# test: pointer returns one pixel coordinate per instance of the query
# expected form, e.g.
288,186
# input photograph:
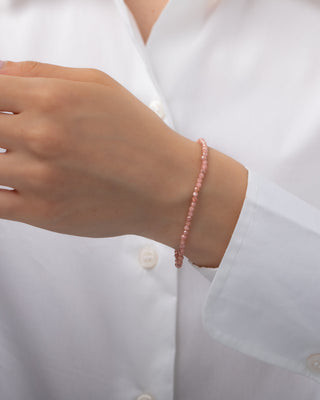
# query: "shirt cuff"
264,297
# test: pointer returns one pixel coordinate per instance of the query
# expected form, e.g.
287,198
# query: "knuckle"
50,208
95,75
9,207
36,175
49,95
27,67
44,140
41,176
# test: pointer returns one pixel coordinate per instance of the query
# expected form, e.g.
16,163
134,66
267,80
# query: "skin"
217,210
86,157
146,13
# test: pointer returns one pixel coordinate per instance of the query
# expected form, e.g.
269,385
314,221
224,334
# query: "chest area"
146,14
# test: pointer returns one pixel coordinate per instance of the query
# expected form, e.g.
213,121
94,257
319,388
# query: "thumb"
36,69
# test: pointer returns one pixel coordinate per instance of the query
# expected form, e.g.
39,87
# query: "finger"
15,93
9,127
36,69
14,173
11,203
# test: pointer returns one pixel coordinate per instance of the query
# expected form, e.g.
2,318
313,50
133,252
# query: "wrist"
176,177
217,211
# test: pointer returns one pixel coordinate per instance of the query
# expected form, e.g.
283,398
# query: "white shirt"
111,318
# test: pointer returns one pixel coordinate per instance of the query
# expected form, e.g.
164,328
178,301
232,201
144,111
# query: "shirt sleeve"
264,299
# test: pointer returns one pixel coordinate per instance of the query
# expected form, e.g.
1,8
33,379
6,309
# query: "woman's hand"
86,157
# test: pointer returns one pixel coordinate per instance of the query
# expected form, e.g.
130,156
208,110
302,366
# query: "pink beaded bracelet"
179,254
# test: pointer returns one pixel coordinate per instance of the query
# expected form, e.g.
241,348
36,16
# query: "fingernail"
2,64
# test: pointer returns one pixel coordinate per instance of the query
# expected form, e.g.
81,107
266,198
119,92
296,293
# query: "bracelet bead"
179,253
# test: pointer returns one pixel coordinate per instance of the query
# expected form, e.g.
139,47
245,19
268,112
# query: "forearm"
220,201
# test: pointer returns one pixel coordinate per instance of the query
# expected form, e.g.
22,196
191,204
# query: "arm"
130,173
264,298
268,281
219,205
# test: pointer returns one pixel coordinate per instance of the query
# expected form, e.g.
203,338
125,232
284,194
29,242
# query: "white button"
145,397
313,363
148,257
157,107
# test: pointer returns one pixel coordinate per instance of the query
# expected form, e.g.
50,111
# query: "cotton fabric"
81,318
